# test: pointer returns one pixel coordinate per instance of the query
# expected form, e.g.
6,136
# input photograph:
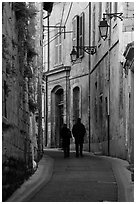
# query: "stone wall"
17,129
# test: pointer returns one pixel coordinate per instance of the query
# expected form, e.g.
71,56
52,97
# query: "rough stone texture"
13,141
16,141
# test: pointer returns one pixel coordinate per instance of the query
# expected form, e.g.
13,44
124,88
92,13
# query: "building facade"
109,92
94,87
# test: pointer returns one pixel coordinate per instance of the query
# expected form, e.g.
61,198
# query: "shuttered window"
94,25
100,17
75,39
81,34
4,98
58,46
115,9
107,7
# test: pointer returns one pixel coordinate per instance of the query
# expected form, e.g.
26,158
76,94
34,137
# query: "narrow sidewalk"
35,182
123,178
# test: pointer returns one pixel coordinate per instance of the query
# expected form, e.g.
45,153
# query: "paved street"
87,179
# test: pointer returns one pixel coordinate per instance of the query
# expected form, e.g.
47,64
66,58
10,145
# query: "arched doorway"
57,114
76,93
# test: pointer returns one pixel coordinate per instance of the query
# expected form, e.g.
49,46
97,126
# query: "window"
58,46
75,23
100,17
101,107
81,34
115,9
95,109
94,25
4,99
76,103
106,106
107,7
78,34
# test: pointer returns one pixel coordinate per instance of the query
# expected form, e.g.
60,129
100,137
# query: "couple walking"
78,132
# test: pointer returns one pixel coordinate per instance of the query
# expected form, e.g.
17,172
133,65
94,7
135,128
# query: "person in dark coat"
65,135
78,132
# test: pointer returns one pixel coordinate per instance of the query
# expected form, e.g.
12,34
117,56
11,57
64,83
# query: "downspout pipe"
89,80
46,125
109,43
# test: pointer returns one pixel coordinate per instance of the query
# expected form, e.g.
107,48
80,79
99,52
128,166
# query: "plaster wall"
107,76
108,60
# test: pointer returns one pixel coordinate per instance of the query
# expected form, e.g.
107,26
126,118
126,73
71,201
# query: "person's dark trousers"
81,149
77,150
66,151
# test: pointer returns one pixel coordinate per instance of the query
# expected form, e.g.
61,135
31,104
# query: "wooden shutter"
107,7
81,34
115,9
100,17
75,39
58,47
94,25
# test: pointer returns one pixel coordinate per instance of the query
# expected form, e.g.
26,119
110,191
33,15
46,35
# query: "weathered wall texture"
78,73
19,94
115,88
109,107
13,139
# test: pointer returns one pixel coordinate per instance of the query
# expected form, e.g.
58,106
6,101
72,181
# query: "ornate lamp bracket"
111,15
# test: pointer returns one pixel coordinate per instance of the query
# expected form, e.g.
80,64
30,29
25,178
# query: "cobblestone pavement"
86,179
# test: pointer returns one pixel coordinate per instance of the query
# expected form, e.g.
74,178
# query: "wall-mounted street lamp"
91,50
103,26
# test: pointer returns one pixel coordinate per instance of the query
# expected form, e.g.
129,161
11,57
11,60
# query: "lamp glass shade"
73,55
103,29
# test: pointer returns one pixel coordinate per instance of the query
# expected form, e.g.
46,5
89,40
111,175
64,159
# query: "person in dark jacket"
78,132
65,135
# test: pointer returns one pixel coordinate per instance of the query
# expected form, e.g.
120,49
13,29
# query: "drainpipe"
89,76
109,42
46,126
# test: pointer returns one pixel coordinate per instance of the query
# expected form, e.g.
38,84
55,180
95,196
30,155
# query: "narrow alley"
67,83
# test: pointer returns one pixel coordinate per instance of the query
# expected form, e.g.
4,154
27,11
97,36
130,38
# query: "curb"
35,182
123,178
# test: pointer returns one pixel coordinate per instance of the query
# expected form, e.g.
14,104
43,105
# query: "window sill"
58,65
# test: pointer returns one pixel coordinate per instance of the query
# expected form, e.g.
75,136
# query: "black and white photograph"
67,101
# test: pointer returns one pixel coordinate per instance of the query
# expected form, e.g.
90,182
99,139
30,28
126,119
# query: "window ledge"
58,65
